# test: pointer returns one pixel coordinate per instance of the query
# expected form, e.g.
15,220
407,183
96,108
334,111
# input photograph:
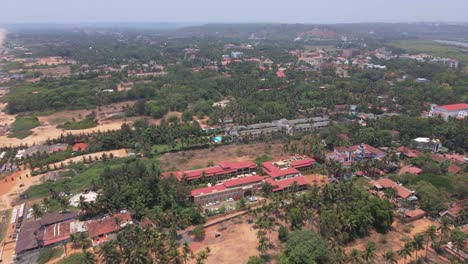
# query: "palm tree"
108,252
418,243
355,256
37,211
369,251
444,228
74,239
431,234
390,257
89,258
406,251
339,256
186,252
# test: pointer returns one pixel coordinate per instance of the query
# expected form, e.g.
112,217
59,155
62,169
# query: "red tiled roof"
282,184
437,158
402,191
410,169
305,162
242,181
80,147
208,190
56,233
107,225
455,210
221,169
456,157
454,107
410,153
385,183
415,213
282,172
454,168
289,166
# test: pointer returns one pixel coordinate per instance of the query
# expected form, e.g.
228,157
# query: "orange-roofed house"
410,153
410,170
80,147
385,183
415,214
100,229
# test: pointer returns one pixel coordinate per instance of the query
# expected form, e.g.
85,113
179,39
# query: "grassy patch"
49,253
76,258
83,179
4,218
78,182
434,48
22,126
88,122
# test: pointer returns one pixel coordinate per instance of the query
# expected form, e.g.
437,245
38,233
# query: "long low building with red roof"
233,188
223,170
280,174
286,184
99,230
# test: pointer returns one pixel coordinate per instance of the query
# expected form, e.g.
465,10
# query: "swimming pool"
218,139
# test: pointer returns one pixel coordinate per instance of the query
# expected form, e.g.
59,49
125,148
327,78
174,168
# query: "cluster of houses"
55,227
49,149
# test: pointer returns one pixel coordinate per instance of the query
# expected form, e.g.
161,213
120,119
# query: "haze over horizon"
240,11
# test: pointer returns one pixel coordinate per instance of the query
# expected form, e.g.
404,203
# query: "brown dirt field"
318,179
186,160
235,245
47,61
395,239
48,129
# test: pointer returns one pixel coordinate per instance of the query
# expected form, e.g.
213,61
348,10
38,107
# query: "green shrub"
22,126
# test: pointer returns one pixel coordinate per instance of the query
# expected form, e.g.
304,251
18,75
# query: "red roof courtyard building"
224,170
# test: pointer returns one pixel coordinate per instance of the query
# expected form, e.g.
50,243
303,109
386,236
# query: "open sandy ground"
186,160
395,239
48,128
238,241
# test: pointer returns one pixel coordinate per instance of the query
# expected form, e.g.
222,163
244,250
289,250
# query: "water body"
452,42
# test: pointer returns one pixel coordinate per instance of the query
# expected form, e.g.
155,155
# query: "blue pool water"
218,139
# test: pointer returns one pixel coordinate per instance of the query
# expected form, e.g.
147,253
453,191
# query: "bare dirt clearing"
238,241
394,239
48,129
186,160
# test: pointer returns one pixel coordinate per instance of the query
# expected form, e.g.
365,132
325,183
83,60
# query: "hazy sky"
291,11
